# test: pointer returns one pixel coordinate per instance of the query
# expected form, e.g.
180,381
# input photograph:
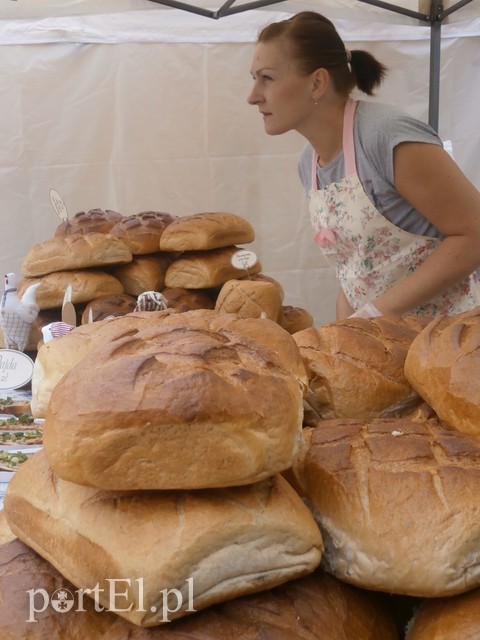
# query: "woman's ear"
321,79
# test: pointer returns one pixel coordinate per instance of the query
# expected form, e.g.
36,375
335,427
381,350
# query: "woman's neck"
325,131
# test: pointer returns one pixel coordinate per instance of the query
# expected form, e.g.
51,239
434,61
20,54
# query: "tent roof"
333,8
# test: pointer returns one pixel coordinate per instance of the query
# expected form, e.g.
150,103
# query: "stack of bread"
110,259
164,446
391,469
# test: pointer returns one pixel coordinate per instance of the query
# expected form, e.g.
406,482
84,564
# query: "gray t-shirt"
378,129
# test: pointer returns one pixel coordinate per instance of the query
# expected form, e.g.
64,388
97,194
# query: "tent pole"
436,9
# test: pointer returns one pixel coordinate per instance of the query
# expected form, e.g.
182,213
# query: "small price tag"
58,204
16,369
243,259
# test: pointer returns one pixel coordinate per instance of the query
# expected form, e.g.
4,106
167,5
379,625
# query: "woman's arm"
343,307
428,178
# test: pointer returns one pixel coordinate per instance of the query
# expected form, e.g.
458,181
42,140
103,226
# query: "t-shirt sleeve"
382,129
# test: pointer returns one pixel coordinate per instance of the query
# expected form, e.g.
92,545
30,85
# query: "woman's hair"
313,42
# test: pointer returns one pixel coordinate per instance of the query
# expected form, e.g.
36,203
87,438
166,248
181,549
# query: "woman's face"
282,95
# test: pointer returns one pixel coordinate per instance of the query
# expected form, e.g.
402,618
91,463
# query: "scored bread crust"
356,366
442,364
250,299
199,387
397,502
56,357
229,542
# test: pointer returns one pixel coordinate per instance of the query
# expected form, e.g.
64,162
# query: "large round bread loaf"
87,284
62,253
197,388
355,366
203,231
443,365
397,503
227,542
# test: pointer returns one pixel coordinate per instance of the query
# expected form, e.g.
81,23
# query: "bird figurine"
55,330
17,314
151,301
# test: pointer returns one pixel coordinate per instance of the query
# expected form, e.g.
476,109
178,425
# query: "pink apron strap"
348,144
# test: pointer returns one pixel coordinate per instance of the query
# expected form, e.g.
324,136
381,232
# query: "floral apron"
369,253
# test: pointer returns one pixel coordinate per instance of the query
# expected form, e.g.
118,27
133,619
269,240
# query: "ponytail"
366,70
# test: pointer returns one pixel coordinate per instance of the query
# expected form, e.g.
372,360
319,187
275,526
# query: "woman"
390,208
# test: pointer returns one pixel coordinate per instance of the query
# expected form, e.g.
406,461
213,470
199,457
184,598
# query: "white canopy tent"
131,105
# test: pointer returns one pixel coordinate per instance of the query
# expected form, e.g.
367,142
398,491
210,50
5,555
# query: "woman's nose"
253,97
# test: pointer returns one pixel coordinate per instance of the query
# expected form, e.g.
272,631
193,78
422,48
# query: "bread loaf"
87,284
74,252
144,273
142,231
206,269
294,319
442,365
194,387
397,503
355,367
93,221
104,306
5,532
454,618
187,299
227,542
204,231
304,609
250,299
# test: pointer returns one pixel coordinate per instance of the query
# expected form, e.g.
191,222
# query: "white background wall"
141,108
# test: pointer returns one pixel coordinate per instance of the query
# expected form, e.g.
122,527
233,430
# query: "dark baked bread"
142,231
93,221
104,306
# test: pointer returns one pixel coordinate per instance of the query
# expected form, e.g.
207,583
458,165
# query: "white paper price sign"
243,259
16,369
58,204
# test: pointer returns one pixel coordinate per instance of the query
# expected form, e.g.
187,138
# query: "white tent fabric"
127,105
